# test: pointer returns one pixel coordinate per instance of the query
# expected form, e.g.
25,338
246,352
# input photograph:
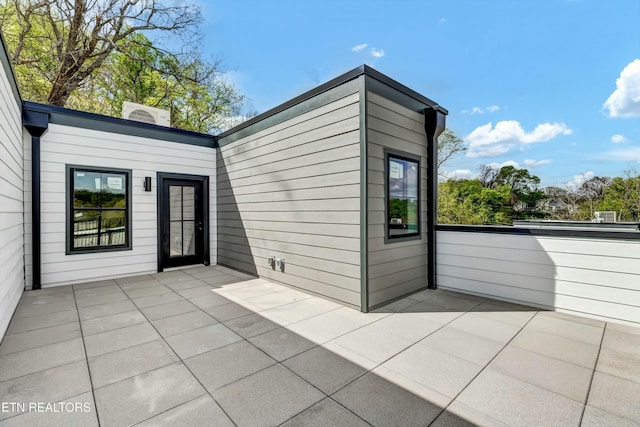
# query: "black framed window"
403,196
99,209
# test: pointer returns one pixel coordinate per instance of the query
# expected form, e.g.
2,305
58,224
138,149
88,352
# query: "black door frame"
204,181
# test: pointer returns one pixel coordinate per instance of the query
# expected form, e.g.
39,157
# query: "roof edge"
337,81
67,116
383,78
8,68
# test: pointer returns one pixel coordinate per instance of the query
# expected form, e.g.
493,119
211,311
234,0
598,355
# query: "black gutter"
85,120
36,123
434,125
340,80
549,232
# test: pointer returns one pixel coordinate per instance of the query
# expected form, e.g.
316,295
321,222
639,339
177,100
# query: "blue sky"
550,85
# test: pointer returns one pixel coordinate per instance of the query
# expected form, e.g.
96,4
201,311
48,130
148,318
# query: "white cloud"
376,53
530,163
359,47
625,100
443,20
624,155
479,110
578,180
546,131
372,52
618,139
507,135
459,174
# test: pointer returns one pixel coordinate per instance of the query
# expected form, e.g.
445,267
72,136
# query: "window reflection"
403,176
99,214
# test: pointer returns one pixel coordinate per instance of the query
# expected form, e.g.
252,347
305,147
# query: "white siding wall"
293,191
11,202
63,145
584,276
395,268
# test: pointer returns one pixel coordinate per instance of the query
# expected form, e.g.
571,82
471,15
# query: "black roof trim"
83,119
550,232
404,89
348,76
6,64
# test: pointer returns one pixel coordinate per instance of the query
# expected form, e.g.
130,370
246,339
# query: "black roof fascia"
423,100
83,119
8,69
344,78
548,232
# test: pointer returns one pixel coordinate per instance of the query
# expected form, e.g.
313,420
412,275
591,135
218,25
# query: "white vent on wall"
144,113
605,216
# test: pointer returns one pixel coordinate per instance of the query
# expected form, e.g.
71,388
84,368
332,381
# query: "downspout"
364,197
434,125
37,123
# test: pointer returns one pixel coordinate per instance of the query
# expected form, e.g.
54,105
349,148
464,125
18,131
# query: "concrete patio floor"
214,347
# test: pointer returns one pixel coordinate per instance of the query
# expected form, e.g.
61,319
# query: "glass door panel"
182,214
182,220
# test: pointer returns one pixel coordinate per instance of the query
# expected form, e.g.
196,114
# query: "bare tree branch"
85,32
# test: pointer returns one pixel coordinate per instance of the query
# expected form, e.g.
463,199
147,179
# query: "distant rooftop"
577,225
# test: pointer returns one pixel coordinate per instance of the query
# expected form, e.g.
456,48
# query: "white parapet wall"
586,276
11,195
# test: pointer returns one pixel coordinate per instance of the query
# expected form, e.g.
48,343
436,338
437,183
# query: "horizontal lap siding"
395,268
292,191
11,201
63,145
579,275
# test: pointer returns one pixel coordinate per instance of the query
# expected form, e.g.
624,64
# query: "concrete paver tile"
202,411
516,402
141,397
615,395
326,413
381,402
546,372
111,322
183,323
269,397
225,365
324,369
197,341
118,339
112,367
281,343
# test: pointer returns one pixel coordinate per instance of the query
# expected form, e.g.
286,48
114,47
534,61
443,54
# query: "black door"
183,220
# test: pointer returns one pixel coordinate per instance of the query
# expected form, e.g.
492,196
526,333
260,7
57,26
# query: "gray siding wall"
578,275
293,191
63,145
11,200
395,268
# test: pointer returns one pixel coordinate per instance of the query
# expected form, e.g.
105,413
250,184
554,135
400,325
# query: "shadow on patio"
212,346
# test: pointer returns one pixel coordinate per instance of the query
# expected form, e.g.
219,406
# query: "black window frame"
407,157
70,209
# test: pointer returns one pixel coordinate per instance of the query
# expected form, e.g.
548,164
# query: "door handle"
199,226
